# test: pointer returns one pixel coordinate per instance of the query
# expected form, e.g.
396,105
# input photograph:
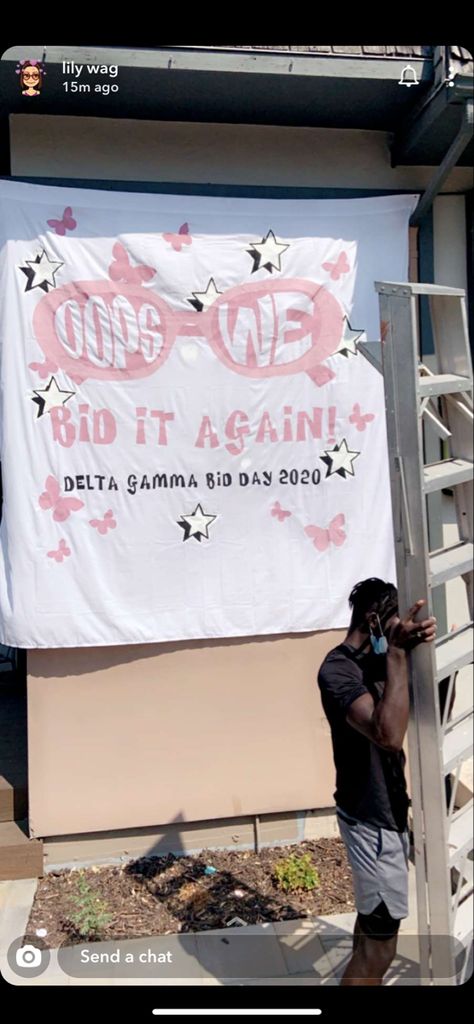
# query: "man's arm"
386,723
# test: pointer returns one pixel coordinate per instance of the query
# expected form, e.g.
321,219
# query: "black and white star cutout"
267,253
202,300
51,396
40,272
348,343
339,460
196,524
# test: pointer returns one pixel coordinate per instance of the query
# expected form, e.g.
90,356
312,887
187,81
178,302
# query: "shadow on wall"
58,663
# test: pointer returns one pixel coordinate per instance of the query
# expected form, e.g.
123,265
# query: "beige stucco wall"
90,147
162,733
143,736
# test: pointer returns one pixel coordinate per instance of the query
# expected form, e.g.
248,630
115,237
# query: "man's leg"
357,934
374,947
370,960
379,863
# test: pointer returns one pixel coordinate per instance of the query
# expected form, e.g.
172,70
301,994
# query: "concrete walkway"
303,952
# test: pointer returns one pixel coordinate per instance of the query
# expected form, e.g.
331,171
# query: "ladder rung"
447,473
463,922
443,384
465,869
460,834
417,288
447,563
453,651
457,745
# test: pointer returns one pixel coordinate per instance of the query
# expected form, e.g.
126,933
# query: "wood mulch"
168,894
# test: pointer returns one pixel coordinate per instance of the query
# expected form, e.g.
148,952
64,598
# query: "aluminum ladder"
439,742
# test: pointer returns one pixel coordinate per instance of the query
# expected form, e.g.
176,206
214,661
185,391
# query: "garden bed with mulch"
168,894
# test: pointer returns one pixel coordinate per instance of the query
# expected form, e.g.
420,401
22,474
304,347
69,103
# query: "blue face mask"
379,643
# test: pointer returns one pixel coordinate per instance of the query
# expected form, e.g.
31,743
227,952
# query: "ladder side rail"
398,513
404,432
451,340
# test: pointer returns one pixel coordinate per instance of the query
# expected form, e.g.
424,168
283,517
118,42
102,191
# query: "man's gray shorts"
379,862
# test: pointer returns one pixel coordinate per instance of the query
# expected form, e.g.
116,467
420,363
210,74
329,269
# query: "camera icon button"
28,956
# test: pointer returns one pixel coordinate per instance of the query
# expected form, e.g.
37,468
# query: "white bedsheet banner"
191,445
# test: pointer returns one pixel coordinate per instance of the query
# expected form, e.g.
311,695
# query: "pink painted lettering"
236,432
117,329
207,433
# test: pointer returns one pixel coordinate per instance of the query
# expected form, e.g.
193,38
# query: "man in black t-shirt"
364,692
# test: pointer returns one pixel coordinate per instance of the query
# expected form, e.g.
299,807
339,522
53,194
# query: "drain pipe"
454,152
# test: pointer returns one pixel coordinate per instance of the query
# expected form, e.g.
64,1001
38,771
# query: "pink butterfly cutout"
62,552
44,369
333,535
62,507
341,266
121,269
66,224
107,523
182,238
280,512
360,420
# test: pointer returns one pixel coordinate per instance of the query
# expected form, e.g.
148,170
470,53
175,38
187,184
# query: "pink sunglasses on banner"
119,330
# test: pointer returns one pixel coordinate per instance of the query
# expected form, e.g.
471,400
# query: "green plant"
295,873
90,915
